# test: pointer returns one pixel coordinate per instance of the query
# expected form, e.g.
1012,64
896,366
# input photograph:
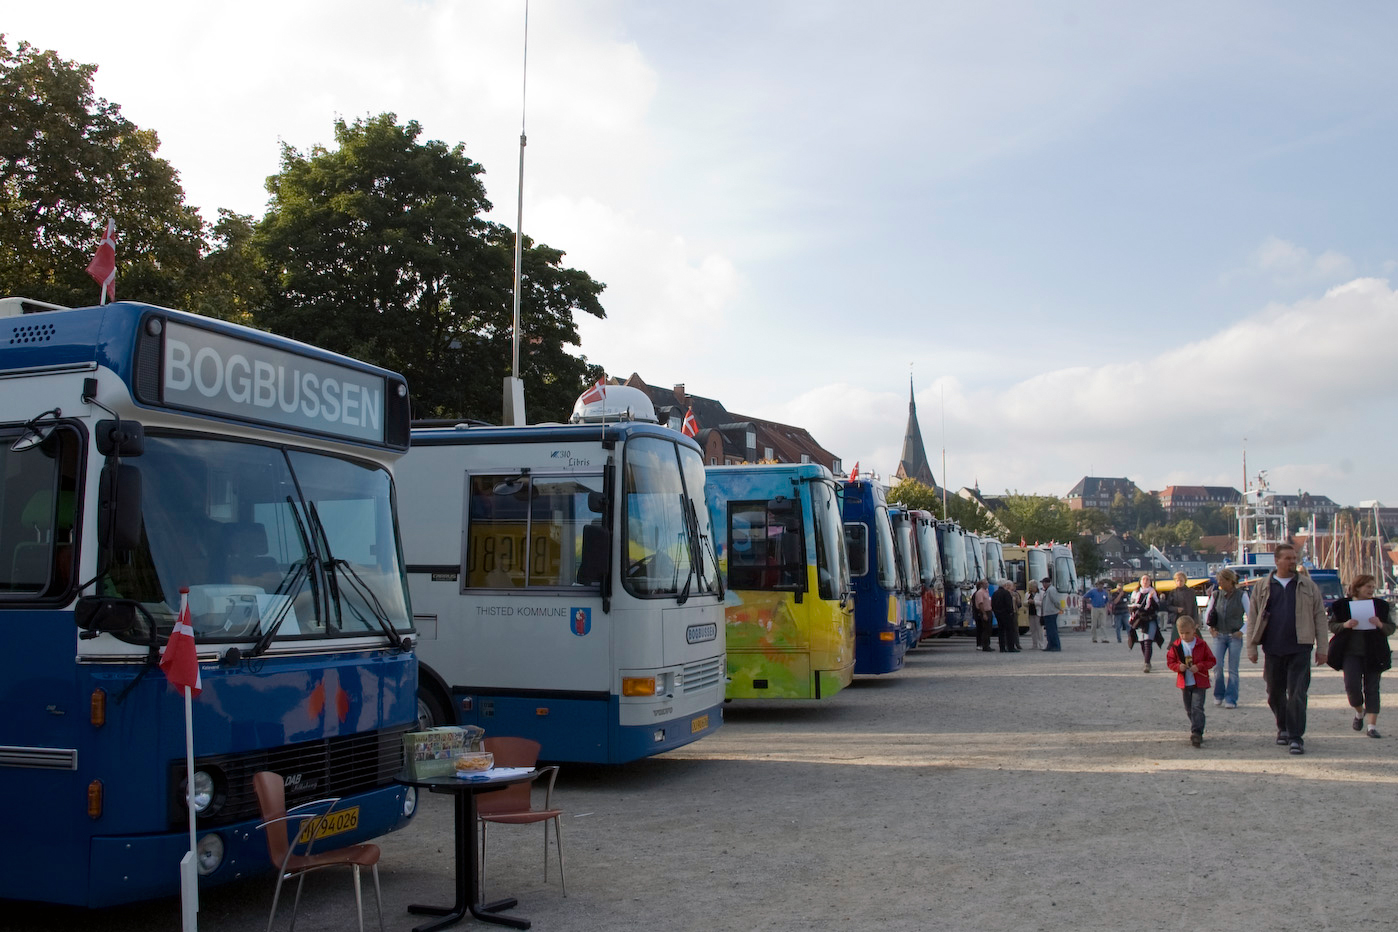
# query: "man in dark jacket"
1286,618
1002,604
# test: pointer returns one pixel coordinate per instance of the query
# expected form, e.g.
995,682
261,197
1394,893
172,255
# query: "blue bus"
146,450
957,579
880,639
565,582
904,524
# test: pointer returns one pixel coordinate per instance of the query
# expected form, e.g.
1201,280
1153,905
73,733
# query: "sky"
1100,238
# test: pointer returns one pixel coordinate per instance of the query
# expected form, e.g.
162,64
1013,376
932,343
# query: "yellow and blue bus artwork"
788,609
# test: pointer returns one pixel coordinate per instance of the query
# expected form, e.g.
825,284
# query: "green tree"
913,494
1122,514
1187,533
1148,510
378,249
1037,519
69,161
1090,521
1087,557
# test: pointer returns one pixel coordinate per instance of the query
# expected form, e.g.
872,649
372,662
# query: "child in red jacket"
1191,658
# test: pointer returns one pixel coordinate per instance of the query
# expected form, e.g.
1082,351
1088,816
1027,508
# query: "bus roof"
472,435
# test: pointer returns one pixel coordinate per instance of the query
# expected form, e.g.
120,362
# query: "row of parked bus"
351,576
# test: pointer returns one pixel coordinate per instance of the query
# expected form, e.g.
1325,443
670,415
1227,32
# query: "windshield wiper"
288,588
359,586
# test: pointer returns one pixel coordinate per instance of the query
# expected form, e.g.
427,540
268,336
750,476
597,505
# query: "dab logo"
581,621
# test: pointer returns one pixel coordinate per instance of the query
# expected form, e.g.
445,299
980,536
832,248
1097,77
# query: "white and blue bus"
144,451
565,582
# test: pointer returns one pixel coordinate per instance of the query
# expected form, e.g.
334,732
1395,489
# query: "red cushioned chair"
514,805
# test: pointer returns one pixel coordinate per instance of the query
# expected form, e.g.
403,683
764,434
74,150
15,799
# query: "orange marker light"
99,708
638,686
94,799
886,635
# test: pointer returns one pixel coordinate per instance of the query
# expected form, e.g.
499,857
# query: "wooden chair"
514,804
271,798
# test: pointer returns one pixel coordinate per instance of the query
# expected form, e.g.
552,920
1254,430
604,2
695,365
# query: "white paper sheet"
1362,611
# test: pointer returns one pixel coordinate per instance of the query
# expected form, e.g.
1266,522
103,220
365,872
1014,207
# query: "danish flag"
854,473
179,659
690,427
103,265
596,393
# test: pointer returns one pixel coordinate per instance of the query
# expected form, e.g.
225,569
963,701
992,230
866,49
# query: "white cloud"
1286,263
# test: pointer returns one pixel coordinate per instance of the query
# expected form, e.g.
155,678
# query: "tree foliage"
69,161
915,495
378,249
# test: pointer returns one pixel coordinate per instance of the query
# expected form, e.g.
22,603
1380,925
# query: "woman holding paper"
1360,627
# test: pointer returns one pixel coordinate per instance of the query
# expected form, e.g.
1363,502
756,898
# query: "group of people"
1281,617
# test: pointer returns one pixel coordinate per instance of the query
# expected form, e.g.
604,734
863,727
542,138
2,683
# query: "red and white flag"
690,428
854,473
596,393
179,659
1021,541
103,265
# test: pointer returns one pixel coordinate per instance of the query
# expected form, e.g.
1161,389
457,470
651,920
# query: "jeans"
1050,623
1230,649
1121,625
1288,679
1194,708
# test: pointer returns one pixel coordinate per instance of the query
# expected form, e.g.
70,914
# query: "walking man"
1097,597
1002,603
1286,619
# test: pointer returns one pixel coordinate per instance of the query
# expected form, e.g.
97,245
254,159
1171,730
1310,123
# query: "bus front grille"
704,675
339,766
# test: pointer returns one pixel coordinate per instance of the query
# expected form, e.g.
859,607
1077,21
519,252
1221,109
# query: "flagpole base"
514,402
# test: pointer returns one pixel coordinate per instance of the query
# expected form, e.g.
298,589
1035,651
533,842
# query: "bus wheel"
430,711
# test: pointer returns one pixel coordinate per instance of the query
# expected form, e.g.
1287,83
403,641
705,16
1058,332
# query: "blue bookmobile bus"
880,638
145,450
565,582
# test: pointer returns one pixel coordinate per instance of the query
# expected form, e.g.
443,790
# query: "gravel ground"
969,791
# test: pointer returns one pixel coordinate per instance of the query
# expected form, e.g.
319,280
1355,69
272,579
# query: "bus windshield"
929,560
667,528
262,536
994,561
888,572
1038,565
1065,576
954,553
907,556
975,560
832,566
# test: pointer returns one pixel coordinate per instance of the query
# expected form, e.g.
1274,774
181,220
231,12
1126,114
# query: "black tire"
430,710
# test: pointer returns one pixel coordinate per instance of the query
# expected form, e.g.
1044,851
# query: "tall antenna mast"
514,387
945,514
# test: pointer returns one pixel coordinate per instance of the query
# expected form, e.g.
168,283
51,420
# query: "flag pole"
189,867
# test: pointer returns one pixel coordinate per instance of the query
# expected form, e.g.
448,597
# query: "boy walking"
1191,658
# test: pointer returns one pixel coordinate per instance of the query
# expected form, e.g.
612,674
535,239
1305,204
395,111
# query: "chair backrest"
271,799
509,752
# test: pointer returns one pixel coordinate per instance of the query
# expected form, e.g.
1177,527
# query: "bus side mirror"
96,614
596,548
597,503
119,509
127,438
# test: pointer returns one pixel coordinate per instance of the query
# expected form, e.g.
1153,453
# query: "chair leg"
481,885
558,838
378,896
275,896
297,905
546,851
358,900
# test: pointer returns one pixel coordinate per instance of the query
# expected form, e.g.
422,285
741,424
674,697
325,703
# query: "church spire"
914,464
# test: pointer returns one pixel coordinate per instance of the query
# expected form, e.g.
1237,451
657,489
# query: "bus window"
857,546
1038,565
37,514
887,563
1064,574
832,566
766,549
929,560
526,531
658,551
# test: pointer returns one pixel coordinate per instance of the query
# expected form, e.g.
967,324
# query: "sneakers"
1283,738
1358,723
1196,740
1145,669
1374,732
1297,747
1218,701
1230,705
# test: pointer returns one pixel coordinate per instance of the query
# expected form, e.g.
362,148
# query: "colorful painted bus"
789,606
879,639
146,450
909,572
565,582
929,561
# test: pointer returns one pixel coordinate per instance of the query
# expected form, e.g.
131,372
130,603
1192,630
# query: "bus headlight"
203,790
209,853
410,801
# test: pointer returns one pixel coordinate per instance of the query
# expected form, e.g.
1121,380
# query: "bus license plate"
698,724
333,824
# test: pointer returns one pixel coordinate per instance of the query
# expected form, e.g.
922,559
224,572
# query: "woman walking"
1145,628
1181,601
1228,609
1360,626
